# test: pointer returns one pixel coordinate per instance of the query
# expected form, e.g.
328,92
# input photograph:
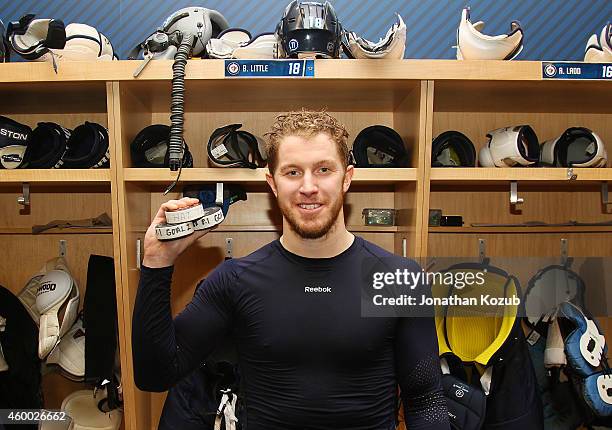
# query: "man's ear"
271,183
348,177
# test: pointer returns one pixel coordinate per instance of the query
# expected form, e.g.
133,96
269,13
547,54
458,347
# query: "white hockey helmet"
474,45
576,147
510,146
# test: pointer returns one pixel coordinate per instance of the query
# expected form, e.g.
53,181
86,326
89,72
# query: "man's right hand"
159,253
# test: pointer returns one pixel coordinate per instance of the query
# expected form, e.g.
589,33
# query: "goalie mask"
576,147
452,149
230,147
474,45
390,47
599,49
238,43
510,146
309,29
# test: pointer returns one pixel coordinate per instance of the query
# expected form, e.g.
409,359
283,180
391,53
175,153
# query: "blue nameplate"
576,70
269,68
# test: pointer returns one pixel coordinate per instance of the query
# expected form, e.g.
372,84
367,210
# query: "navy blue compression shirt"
307,359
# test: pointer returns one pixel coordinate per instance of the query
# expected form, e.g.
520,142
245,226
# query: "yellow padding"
475,332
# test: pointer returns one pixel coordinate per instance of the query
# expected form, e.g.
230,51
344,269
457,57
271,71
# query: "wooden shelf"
165,176
522,230
55,176
494,175
26,230
324,69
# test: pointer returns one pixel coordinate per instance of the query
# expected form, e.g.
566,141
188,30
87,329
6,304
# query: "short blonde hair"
306,123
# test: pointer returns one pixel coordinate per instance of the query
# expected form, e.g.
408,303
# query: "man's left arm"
419,374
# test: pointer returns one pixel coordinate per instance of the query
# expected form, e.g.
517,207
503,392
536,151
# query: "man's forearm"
153,338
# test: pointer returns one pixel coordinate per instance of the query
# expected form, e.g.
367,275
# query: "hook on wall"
24,198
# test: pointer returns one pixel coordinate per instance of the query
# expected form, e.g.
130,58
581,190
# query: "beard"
313,227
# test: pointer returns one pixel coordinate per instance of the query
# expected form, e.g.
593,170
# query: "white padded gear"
599,48
69,353
83,43
390,47
82,407
237,43
474,45
27,295
554,354
57,290
32,42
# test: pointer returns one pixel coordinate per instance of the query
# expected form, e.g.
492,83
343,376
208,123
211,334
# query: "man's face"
309,183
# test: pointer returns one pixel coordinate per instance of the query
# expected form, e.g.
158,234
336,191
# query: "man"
308,360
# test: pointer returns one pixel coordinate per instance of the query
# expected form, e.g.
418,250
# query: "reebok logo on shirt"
311,289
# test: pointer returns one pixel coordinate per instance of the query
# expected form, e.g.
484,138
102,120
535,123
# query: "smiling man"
307,358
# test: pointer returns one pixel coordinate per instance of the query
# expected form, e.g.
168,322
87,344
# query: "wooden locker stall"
32,96
550,195
212,102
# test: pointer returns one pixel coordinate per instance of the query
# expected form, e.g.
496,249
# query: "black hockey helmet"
453,149
310,28
150,148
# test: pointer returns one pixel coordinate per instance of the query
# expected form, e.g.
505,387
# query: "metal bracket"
229,248
62,248
514,198
219,194
482,250
571,176
24,199
563,252
138,254
604,194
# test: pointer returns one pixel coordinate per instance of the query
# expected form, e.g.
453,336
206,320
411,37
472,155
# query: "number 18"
295,68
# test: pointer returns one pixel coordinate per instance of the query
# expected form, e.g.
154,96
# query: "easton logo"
13,135
45,288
